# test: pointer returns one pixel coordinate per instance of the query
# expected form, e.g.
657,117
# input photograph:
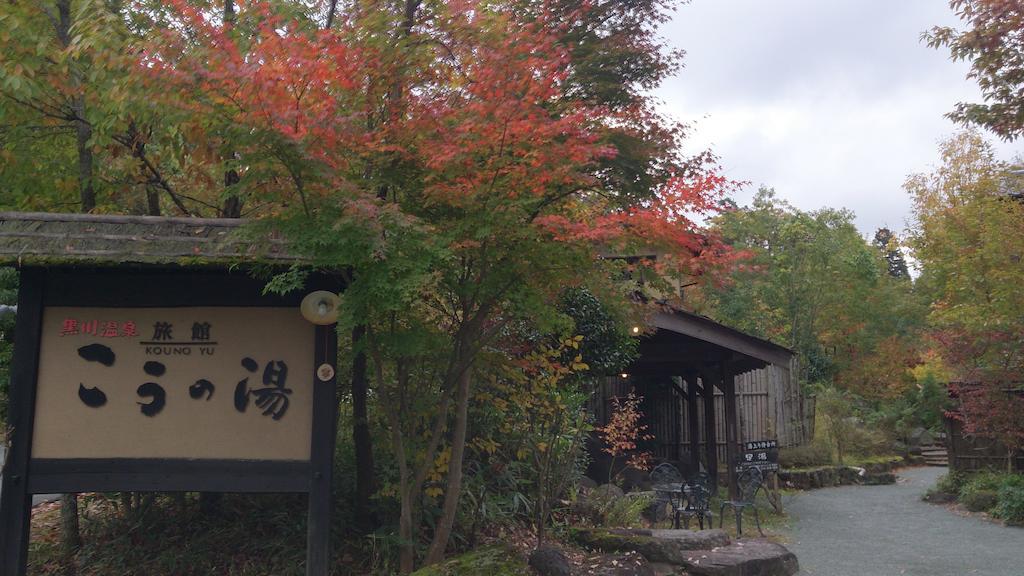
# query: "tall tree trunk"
83,130
209,502
454,489
365,476
83,133
232,207
71,539
331,11
152,201
408,493
406,547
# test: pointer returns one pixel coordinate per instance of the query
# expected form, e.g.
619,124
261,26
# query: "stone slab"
749,557
666,546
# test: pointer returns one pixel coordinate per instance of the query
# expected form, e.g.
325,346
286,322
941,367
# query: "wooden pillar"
677,418
691,421
325,418
710,441
15,499
728,380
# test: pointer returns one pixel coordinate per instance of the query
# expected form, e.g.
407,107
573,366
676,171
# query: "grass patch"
487,561
774,525
862,461
999,493
246,536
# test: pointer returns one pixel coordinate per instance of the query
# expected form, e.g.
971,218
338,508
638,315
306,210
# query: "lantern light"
320,307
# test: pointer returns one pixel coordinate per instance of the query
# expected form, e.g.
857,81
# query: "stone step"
753,557
699,553
668,546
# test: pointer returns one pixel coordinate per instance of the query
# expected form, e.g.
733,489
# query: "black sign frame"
142,287
764,455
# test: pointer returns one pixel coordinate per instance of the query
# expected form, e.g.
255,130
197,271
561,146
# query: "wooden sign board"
166,381
200,383
760,454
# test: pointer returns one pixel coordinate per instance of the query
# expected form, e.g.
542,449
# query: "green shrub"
488,561
1010,506
984,491
627,512
1012,481
951,482
988,481
867,442
980,500
808,456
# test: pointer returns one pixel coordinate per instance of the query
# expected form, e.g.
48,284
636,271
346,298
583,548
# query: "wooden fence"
770,406
972,453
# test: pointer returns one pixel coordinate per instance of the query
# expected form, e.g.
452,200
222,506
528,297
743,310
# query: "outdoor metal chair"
667,483
698,502
665,474
749,482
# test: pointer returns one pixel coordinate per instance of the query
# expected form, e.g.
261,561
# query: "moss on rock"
487,561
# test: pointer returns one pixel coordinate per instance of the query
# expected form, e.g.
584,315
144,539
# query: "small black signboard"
761,454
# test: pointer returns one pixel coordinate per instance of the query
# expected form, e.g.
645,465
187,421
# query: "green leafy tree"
889,245
994,45
813,283
967,236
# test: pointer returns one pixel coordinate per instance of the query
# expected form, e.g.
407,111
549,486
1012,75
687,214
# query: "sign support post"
15,500
318,551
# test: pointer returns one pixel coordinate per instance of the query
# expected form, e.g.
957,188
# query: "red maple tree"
440,156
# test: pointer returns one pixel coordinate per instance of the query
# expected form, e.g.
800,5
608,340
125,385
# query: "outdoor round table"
677,493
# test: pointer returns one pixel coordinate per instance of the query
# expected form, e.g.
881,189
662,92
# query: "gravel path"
889,531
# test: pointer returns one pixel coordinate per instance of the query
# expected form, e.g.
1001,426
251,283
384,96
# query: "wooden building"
973,453
702,380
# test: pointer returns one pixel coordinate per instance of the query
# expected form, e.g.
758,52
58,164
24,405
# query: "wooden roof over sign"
706,329
684,341
46,239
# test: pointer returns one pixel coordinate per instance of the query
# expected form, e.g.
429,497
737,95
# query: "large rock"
550,561
594,503
754,557
826,476
629,564
487,561
669,546
660,507
586,484
879,478
606,493
634,480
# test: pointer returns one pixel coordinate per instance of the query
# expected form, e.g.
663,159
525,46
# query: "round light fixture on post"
636,330
320,307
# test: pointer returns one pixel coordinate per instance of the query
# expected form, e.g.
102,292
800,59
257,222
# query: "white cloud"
832,103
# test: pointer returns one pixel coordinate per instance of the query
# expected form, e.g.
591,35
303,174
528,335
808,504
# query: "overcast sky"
831,102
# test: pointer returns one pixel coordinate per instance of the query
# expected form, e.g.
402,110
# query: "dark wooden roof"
683,341
45,239
706,329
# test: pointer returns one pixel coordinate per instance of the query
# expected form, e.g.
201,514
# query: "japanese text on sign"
174,383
